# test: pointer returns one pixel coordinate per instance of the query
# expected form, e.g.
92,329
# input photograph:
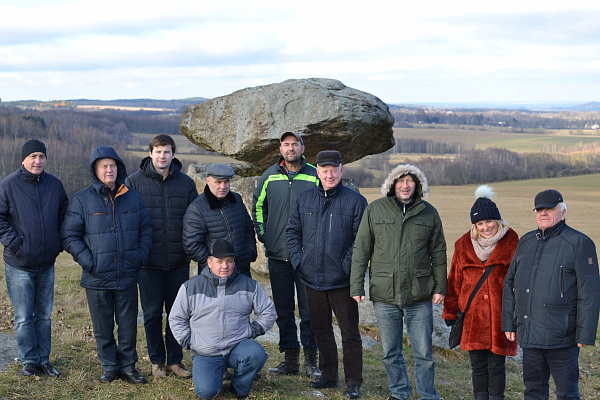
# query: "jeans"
488,372
246,358
562,364
32,296
158,287
320,305
283,278
419,325
106,307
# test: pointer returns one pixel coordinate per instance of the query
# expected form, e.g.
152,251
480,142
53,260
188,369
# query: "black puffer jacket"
208,219
32,209
166,201
552,289
108,234
320,235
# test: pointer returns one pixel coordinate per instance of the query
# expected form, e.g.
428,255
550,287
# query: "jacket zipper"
227,226
561,282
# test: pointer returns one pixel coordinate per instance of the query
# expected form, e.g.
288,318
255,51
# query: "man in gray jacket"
211,317
551,302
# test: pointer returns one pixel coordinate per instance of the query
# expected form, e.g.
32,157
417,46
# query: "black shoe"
108,376
29,369
132,377
323,383
236,394
49,370
351,391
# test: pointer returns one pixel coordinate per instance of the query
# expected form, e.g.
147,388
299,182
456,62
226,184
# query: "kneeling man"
211,317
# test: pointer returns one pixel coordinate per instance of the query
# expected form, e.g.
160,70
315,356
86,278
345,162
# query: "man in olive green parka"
402,238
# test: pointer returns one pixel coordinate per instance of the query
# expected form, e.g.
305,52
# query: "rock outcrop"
246,125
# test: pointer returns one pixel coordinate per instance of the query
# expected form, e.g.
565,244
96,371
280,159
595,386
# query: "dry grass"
74,352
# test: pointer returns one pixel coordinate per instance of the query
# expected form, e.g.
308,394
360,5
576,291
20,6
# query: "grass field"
74,351
484,137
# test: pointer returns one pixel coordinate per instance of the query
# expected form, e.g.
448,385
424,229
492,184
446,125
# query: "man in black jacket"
320,235
273,197
551,302
33,204
167,193
219,213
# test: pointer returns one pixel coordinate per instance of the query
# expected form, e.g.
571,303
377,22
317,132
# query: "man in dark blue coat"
320,235
219,213
108,232
33,204
551,300
167,193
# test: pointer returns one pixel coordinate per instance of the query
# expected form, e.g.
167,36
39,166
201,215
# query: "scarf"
484,247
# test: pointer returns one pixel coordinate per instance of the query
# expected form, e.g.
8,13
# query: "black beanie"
32,146
484,208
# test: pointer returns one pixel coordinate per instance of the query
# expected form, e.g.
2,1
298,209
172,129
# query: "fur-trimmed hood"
422,191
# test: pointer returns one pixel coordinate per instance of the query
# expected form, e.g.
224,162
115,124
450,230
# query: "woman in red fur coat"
489,242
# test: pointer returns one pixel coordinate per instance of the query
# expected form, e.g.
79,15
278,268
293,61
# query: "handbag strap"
487,272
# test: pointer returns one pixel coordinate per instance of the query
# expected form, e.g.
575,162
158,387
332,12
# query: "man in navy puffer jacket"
320,236
108,232
33,204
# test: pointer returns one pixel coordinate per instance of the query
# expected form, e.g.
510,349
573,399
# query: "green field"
484,137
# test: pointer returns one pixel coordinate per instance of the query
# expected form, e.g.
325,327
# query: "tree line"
70,138
472,166
514,119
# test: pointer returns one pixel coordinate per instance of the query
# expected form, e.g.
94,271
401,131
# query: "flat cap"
220,171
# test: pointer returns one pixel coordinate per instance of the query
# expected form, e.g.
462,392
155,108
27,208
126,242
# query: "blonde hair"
500,222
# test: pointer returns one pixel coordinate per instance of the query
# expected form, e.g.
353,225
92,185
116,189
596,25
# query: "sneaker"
236,394
179,370
158,371
29,369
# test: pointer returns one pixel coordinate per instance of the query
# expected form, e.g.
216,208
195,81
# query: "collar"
29,177
212,200
550,232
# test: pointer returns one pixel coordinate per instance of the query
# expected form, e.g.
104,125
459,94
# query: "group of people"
322,241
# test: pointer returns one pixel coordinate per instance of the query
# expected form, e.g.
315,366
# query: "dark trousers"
158,288
283,279
106,307
320,305
562,364
488,372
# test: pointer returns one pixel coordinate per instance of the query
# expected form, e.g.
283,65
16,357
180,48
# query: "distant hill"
591,106
175,104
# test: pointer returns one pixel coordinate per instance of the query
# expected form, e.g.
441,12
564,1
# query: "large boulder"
246,125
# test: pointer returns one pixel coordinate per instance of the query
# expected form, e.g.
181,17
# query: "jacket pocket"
381,286
422,286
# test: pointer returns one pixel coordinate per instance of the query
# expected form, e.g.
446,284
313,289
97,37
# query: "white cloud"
401,51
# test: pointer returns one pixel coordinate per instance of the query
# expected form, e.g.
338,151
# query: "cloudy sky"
403,51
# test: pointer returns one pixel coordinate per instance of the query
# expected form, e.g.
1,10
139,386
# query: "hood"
422,191
107,152
147,168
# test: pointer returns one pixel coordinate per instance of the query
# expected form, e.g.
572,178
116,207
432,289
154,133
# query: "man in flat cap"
211,317
551,302
219,213
167,193
33,204
320,235
276,191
